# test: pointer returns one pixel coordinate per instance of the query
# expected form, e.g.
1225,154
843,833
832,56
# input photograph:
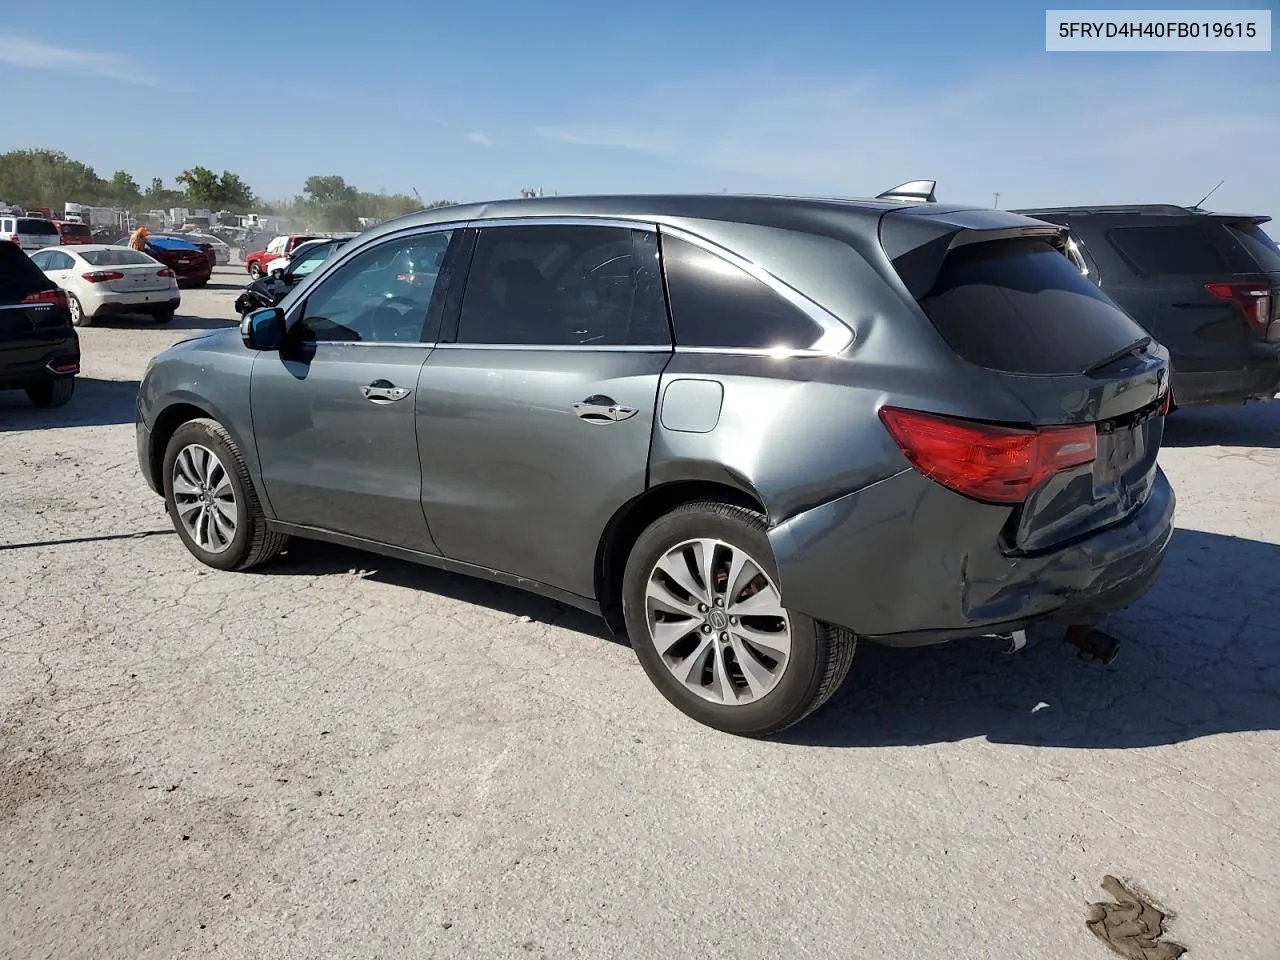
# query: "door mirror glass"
263,329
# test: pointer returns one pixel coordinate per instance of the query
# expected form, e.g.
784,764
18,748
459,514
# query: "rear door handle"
383,391
601,409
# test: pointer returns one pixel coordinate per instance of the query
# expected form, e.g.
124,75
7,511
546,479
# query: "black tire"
821,654
253,543
255,271
78,317
164,316
52,391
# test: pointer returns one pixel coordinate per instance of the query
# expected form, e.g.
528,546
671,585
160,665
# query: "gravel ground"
344,756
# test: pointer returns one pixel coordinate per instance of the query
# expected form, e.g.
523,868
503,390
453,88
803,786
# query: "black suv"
1206,285
39,349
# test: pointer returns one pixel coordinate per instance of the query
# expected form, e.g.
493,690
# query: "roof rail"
918,190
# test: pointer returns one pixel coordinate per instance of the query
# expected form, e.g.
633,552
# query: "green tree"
225,191
47,178
124,189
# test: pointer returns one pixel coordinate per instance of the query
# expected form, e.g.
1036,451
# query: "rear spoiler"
917,244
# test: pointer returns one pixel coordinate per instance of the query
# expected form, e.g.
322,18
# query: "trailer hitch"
1092,643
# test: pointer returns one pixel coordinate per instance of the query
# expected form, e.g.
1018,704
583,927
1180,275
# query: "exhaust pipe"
1092,643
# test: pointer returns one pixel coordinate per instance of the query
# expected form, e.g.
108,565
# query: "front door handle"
383,391
601,409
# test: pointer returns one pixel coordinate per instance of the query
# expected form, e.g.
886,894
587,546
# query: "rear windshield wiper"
1139,344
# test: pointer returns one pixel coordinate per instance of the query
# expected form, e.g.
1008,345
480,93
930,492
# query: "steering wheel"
393,319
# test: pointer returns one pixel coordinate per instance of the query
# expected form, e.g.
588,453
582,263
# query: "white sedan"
103,281
221,252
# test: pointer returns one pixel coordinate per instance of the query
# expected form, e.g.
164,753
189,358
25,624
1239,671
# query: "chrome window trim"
549,347
836,335
618,223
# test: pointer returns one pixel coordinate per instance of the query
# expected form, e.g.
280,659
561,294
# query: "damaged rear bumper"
908,563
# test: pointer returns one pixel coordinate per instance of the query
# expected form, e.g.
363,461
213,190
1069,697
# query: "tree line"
49,178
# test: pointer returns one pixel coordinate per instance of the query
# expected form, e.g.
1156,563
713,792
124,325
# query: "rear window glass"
1260,247
36,225
715,303
1169,250
116,257
75,230
1020,306
171,243
19,277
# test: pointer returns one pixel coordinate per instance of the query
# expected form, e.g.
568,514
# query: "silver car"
747,431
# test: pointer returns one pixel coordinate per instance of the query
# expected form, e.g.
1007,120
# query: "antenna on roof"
1196,206
921,190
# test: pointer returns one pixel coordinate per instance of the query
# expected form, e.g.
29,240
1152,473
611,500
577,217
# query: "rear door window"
564,285
1020,306
715,303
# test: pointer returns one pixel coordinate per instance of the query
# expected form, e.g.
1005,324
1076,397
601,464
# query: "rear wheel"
164,316
211,499
78,317
52,392
705,617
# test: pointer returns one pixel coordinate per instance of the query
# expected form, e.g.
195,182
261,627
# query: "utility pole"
996,202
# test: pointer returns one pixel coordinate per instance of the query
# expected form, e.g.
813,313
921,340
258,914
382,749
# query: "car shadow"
1201,657
96,403
1252,425
317,558
129,321
224,286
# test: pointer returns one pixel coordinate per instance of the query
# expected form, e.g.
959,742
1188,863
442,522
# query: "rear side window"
19,277
34,226
1261,250
121,257
1020,306
1185,250
715,303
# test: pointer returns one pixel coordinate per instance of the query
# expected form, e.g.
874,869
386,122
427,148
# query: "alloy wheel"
717,620
204,498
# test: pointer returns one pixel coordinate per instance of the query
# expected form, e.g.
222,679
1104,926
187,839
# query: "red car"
256,262
72,233
190,265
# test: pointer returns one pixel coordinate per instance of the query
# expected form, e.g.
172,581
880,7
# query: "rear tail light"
1166,404
54,298
13,238
166,272
1253,299
101,276
991,463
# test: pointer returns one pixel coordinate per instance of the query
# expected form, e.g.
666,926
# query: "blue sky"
475,100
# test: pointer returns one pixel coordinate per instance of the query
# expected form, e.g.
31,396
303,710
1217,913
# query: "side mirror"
277,273
263,329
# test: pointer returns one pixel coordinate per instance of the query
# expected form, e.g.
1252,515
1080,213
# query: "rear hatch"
34,233
1003,295
75,233
33,311
124,270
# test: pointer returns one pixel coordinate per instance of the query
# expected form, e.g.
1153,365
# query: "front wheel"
705,617
211,499
255,271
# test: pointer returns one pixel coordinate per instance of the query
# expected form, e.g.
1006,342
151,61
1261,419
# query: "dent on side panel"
756,424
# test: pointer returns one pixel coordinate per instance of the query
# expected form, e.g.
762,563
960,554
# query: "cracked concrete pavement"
341,755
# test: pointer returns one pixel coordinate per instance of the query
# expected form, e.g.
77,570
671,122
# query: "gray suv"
747,431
